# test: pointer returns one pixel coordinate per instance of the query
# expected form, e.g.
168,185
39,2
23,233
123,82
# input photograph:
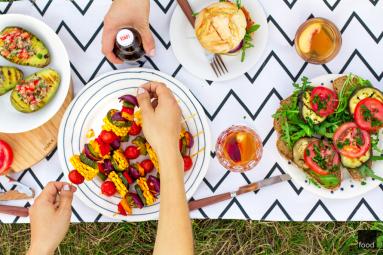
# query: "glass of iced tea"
239,148
318,40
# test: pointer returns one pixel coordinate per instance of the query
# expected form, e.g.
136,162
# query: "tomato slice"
322,157
324,101
352,141
6,156
368,114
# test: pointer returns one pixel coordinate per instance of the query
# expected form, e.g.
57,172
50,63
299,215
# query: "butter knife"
196,204
14,190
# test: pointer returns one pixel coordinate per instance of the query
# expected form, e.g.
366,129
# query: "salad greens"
247,40
295,127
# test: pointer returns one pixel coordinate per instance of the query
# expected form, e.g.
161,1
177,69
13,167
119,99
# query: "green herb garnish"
247,40
366,171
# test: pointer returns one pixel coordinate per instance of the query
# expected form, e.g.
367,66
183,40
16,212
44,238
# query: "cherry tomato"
6,156
107,136
351,141
135,129
128,110
75,177
322,157
132,152
108,188
147,165
368,114
324,101
188,162
121,209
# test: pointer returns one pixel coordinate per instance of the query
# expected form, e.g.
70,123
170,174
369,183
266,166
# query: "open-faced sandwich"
23,48
323,129
225,28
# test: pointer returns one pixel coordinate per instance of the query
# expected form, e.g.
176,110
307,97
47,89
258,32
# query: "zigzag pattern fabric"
249,99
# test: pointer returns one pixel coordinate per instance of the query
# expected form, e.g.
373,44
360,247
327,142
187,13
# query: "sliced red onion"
136,200
189,139
153,184
237,48
133,172
115,144
88,154
108,167
117,117
129,99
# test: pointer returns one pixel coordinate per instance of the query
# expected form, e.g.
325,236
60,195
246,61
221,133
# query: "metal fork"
217,64
215,60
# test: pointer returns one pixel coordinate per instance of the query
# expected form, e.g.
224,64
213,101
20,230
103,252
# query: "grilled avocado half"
40,57
51,79
9,77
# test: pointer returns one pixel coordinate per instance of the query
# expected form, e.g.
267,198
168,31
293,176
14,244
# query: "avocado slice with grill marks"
9,77
49,78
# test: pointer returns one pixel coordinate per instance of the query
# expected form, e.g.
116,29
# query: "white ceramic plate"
191,55
92,104
348,188
13,121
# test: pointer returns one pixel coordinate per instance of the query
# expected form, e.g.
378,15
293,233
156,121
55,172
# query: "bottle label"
125,37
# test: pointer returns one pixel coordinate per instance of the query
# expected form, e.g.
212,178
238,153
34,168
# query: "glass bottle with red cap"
128,45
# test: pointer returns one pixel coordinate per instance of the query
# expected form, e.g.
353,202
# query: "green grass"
211,237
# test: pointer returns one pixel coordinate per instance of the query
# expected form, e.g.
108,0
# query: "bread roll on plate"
220,27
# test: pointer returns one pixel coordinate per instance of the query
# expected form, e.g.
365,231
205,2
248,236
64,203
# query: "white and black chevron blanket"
250,98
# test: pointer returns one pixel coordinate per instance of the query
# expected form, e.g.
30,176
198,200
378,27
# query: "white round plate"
192,56
348,188
13,121
89,108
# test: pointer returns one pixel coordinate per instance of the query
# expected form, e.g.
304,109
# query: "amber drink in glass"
318,40
239,148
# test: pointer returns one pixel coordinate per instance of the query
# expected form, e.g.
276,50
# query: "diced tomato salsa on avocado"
16,42
32,92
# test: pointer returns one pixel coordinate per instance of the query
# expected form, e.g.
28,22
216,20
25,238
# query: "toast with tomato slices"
356,91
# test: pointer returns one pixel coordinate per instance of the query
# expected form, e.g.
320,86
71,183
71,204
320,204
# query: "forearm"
174,234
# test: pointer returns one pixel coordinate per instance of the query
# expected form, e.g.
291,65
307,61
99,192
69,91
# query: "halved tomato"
6,156
352,141
324,101
322,157
368,114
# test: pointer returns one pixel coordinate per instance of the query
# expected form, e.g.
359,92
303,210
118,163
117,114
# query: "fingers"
108,39
148,41
50,191
66,197
157,89
144,101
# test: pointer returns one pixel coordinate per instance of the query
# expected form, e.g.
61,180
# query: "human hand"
50,216
161,124
127,13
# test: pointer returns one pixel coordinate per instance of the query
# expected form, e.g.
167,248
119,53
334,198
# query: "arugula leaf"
366,171
195,14
376,158
247,40
239,3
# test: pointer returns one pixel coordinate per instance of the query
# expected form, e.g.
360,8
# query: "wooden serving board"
31,147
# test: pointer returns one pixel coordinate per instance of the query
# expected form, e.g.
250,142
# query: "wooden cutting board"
31,147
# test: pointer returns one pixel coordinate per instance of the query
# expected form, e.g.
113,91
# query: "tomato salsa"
32,92
16,43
